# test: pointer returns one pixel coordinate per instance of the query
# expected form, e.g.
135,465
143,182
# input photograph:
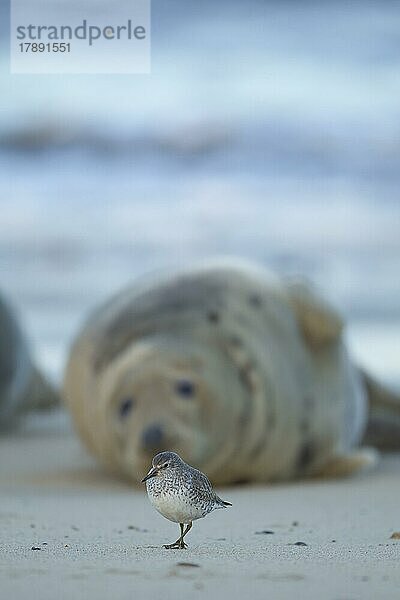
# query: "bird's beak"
152,473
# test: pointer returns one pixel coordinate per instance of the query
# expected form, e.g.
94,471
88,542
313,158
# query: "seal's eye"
185,388
125,407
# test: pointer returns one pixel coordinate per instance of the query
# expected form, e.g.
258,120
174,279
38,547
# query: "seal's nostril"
152,437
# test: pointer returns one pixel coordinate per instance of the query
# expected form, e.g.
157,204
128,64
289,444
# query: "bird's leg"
179,541
182,543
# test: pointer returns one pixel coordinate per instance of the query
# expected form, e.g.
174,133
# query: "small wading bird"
180,493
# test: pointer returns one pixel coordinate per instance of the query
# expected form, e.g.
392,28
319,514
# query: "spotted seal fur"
244,374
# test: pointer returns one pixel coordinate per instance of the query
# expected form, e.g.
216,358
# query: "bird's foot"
179,544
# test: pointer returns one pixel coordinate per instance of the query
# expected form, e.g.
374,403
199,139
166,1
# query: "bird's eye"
185,388
125,407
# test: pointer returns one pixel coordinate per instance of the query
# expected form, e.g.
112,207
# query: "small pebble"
395,535
265,531
187,564
299,544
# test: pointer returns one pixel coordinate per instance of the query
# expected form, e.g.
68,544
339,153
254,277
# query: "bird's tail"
224,503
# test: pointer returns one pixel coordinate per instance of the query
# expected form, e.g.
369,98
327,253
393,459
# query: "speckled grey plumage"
180,492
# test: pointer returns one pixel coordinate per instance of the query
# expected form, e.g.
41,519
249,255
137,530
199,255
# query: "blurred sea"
269,130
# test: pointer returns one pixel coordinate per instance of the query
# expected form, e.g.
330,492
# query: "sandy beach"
70,531
266,132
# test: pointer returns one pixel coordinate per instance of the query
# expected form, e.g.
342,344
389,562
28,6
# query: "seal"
244,374
22,386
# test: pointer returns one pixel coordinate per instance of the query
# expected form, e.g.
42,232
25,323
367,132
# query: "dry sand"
98,538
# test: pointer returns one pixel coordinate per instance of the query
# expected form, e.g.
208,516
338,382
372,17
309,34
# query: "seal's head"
167,393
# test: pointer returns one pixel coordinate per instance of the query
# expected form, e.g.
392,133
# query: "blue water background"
268,130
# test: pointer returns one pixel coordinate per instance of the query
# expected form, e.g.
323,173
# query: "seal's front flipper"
319,322
344,465
383,430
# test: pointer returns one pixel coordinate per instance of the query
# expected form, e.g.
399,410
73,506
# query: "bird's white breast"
176,507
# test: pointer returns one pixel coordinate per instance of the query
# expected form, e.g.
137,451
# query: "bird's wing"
201,482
